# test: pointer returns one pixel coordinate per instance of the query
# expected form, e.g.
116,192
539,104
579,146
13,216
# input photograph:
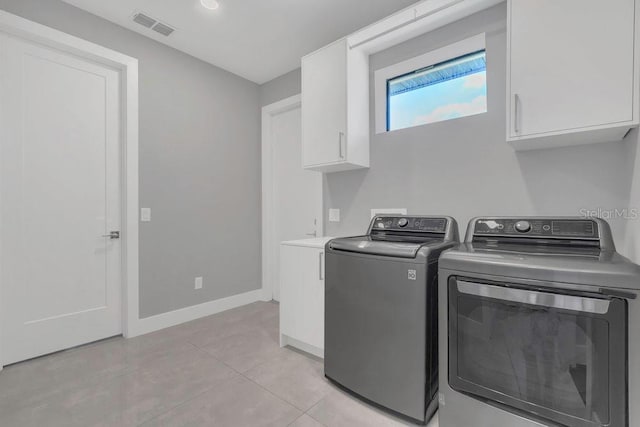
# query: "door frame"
268,232
127,67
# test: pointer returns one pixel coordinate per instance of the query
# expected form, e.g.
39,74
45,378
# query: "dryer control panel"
560,228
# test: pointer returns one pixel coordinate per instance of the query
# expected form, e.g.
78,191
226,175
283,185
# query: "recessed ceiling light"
210,4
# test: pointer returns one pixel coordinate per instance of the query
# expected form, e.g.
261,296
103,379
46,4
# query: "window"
452,89
441,85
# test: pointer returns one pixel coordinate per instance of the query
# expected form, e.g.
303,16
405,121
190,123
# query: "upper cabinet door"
570,66
324,105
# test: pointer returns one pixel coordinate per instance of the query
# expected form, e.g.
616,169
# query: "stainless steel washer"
381,312
538,326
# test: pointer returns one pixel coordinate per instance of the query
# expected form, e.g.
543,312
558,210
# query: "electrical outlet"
145,214
334,215
198,283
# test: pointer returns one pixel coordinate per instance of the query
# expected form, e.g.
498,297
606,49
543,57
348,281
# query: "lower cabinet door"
302,294
290,295
314,300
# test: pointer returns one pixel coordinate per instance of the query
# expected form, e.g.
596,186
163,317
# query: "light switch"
334,215
145,214
198,283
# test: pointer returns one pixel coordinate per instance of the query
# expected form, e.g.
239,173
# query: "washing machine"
381,312
539,326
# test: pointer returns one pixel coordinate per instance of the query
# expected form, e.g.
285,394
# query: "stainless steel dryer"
538,326
381,312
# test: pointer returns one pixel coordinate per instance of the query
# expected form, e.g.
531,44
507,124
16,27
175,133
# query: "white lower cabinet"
302,295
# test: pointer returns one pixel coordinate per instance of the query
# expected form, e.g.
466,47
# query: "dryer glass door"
556,356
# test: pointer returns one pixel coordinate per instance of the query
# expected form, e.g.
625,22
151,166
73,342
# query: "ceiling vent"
144,20
163,29
152,23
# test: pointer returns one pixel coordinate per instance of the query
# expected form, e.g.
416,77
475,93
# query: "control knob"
402,222
523,226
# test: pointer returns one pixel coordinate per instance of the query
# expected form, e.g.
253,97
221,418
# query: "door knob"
112,235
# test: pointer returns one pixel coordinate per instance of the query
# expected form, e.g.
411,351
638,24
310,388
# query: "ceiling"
256,39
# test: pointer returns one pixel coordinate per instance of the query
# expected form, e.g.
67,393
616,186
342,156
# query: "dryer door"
556,356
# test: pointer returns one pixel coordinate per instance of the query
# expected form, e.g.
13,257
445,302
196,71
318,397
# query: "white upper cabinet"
335,112
572,72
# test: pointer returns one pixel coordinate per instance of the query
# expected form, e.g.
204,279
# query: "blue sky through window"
448,99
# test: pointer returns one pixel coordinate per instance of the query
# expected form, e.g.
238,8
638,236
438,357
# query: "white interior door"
59,195
297,193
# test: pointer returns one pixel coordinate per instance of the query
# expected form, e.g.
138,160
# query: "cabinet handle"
340,139
516,113
320,269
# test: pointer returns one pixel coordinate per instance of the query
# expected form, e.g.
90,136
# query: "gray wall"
199,164
281,87
464,167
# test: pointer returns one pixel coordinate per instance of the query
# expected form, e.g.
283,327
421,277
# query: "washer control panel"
408,223
537,228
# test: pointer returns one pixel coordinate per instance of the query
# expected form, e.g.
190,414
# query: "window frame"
437,56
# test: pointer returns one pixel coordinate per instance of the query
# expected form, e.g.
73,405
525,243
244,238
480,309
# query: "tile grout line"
195,396
206,353
304,412
187,400
292,422
208,389
181,343
311,416
188,339
199,350
237,374
93,380
125,372
242,374
274,395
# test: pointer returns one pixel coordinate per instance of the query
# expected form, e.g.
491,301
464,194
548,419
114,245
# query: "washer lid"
400,236
385,245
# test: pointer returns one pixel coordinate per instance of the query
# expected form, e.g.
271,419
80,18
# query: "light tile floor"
222,370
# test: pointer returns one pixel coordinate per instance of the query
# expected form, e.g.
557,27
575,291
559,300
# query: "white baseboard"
266,295
176,317
286,340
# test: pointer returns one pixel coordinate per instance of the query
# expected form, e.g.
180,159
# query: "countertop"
316,242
